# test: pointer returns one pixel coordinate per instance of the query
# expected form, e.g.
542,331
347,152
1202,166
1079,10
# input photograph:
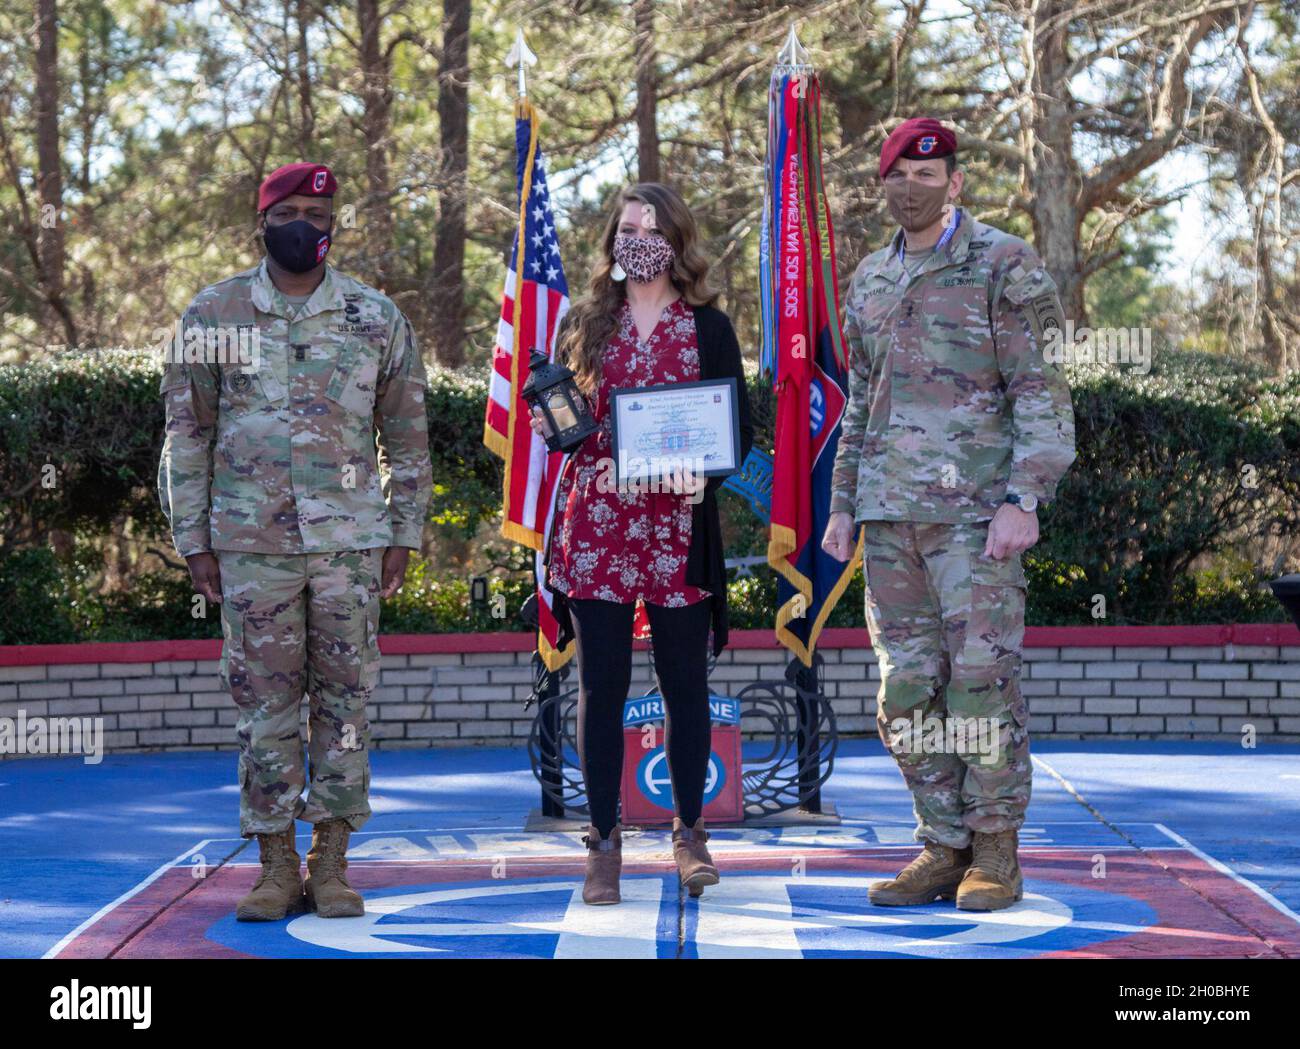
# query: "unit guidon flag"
803,347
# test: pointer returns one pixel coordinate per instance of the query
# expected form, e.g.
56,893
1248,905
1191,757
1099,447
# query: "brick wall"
1114,682
1171,691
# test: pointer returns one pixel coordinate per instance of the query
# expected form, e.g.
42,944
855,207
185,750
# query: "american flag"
536,298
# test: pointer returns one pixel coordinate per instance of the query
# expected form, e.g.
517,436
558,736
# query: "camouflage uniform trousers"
296,623
948,626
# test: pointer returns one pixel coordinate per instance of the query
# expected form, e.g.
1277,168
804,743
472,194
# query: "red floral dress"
624,546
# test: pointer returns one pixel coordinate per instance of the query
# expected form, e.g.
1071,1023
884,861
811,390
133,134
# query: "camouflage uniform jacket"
280,457
951,402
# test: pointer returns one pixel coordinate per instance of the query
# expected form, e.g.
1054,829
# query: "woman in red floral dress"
627,545
646,320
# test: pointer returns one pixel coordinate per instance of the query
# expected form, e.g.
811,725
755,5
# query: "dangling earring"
616,272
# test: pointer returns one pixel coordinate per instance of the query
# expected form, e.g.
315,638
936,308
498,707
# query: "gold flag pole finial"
522,56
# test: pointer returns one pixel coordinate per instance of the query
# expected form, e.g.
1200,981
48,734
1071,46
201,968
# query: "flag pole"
805,668
546,683
805,678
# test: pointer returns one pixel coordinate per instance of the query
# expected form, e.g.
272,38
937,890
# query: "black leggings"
680,637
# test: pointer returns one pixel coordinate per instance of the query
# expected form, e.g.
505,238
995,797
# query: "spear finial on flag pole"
522,56
793,54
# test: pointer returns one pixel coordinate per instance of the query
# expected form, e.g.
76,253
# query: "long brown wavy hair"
593,319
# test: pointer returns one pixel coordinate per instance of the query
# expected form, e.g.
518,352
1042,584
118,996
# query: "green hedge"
1197,460
1186,466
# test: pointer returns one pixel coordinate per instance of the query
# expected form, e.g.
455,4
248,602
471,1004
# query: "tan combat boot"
933,875
327,886
994,880
604,865
694,864
278,891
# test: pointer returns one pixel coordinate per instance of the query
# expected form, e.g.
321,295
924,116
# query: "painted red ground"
1200,912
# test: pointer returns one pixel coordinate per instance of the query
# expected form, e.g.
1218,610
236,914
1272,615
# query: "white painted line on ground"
1223,868
665,856
53,952
717,831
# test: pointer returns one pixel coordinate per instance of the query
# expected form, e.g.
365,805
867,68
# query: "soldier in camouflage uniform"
282,383
957,428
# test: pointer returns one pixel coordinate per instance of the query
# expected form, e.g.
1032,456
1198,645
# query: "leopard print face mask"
643,258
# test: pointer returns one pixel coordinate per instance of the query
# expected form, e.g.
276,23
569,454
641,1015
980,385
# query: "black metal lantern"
550,387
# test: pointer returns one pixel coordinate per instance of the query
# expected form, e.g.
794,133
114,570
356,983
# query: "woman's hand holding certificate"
675,427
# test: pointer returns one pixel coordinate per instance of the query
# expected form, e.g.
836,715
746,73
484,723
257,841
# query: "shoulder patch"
1024,284
1044,316
1033,292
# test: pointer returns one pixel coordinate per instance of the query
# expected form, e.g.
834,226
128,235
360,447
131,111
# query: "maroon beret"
311,180
920,138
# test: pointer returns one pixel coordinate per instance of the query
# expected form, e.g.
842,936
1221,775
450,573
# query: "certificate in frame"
691,424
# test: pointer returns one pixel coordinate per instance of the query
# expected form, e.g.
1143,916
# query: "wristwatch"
1027,503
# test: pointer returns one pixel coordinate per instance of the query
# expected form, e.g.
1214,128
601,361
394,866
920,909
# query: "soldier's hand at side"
206,576
838,540
1012,531
394,570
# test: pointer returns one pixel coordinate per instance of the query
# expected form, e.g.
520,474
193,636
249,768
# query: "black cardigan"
705,567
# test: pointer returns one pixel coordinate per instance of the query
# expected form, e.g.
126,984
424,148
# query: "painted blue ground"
74,837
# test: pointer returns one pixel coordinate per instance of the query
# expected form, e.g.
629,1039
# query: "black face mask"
297,246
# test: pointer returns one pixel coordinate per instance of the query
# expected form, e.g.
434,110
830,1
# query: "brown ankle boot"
327,885
278,891
994,880
694,864
604,865
935,874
